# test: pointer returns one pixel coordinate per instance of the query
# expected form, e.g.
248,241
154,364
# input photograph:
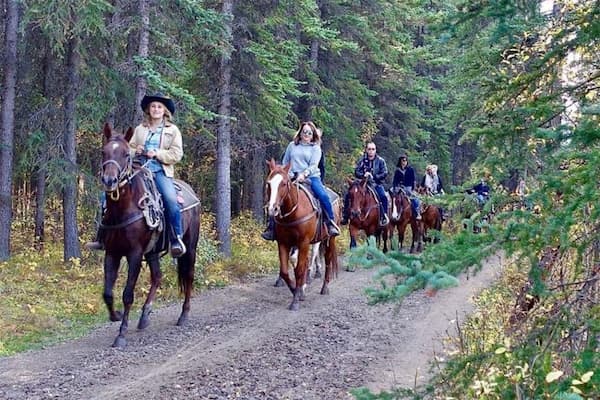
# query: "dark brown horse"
364,212
401,215
128,234
297,224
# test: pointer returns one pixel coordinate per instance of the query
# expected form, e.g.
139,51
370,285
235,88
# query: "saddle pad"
184,190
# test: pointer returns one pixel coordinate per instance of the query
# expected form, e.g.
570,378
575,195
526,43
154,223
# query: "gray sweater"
304,158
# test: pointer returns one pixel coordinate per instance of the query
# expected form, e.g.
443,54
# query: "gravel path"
242,343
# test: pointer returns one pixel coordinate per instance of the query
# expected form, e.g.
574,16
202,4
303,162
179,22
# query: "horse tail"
186,263
438,220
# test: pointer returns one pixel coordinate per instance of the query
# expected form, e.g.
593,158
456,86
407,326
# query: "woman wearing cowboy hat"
160,141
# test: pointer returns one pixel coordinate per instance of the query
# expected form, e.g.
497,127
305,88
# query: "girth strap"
123,224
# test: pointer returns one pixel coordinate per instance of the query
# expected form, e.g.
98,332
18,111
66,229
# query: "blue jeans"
319,190
382,198
416,203
166,188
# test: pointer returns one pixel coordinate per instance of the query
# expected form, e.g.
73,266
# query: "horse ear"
107,132
129,134
287,167
271,163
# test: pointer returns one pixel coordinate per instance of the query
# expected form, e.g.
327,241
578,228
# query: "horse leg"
300,275
401,232
133,272
185,275
155,279
353,233
284,259
111,270
417,236
317,259
330,263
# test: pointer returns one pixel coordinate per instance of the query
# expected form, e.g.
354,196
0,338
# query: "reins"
294,207
367,212
125,176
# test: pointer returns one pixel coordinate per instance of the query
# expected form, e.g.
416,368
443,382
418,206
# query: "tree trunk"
254,174
39,187
223,217
71,245
8,125
143,50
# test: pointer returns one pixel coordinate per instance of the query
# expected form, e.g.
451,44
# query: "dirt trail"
243,343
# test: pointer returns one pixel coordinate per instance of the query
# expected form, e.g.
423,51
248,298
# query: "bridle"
124,174
287,194
364,192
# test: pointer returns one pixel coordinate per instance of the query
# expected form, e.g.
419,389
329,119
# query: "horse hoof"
116,316
279,283
119,342
325,290
143,323
182,320
295,306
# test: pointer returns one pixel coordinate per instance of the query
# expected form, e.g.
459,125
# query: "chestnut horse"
128,234
297,224
364,212
401,214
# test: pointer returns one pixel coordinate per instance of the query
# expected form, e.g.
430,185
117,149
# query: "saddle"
153,211
321,233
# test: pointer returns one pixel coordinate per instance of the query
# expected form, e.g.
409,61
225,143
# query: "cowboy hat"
169,103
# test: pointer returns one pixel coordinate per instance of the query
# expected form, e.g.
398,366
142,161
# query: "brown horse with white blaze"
401,215
297,224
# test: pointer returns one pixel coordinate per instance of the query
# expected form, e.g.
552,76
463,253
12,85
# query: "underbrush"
45,300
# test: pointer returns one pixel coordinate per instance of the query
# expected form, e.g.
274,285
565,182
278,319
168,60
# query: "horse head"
399,202
278,187
116,158
358,194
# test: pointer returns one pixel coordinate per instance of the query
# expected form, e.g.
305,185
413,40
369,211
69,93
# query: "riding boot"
177,247
98,243
269,233
418,214
383,219
332,228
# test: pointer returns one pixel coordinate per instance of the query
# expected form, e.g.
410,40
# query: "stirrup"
269,234
332,229
94,245
177,248
384,221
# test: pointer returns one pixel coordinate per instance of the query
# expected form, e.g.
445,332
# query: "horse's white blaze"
115,145
273,183
395,215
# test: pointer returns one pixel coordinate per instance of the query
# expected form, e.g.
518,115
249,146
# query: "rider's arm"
313,163
397,181
359,171
381,172
174,153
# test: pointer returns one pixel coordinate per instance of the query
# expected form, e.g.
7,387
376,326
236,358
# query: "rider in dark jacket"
374,168
405,179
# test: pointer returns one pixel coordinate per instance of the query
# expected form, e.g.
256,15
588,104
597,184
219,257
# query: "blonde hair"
168,116
317,133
